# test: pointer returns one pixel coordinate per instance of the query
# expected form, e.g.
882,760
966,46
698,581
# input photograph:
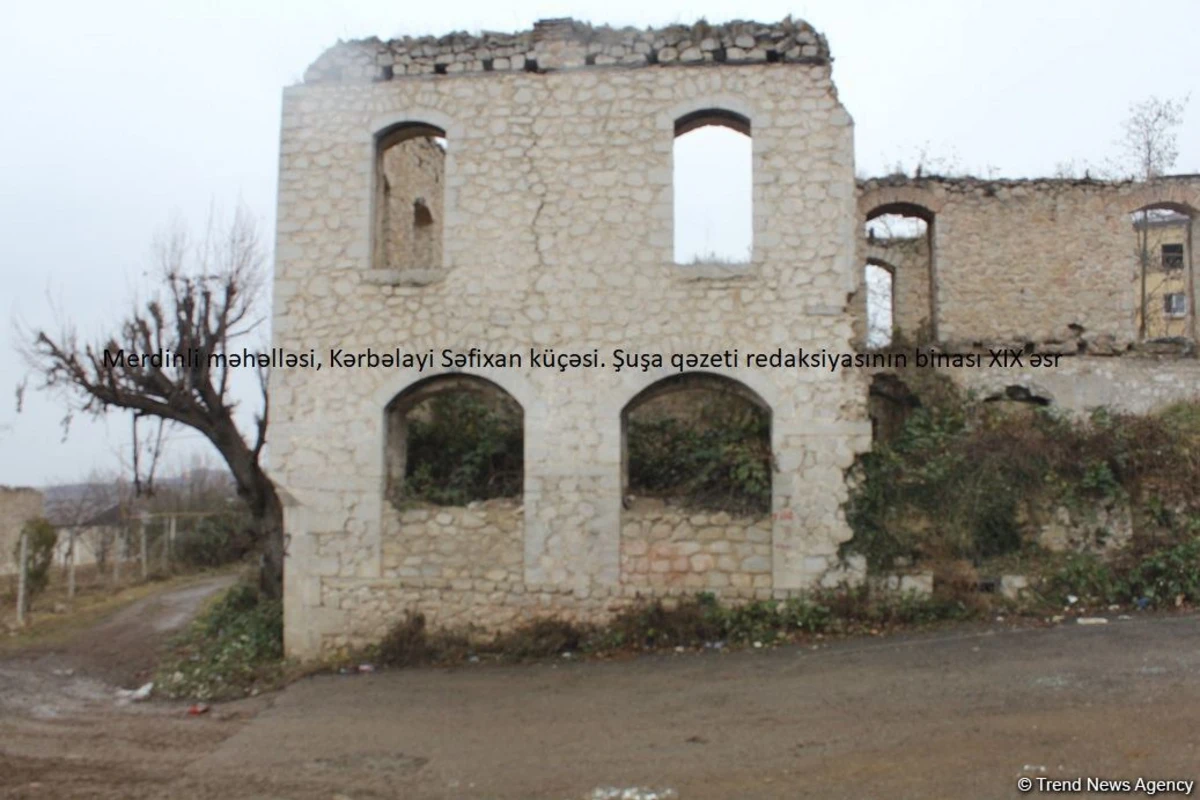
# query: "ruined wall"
558,234
566,44
1051,262
18,505
1134,383
908,261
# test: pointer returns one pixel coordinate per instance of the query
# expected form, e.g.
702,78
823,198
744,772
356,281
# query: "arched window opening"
410,168
698,470
700,441
713,188
453,440
899,240
1162,250
880,300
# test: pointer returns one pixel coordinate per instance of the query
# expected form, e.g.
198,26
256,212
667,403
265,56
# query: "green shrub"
234,647
41,538
1159,577
1166,575
961,477
214,541
463,447
1086,577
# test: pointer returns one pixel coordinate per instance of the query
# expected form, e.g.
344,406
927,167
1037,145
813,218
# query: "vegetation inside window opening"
712,453
463,447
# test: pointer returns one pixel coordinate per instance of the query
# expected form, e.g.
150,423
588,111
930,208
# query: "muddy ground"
959,713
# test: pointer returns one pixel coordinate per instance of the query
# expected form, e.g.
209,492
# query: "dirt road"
953,714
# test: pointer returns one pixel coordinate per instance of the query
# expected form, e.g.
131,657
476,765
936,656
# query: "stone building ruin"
514,192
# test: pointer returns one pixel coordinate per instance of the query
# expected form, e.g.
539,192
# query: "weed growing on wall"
963,478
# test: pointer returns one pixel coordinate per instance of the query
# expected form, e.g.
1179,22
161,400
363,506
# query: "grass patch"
233,649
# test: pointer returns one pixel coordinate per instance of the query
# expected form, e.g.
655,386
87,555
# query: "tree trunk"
262,501
270,576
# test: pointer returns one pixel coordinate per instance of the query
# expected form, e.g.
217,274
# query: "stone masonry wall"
665,547
18,505
479,547
1136,384
558,234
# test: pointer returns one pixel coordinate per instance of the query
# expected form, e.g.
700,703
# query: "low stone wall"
463,569
478,548
1132,383
18,505
1101,527
663,547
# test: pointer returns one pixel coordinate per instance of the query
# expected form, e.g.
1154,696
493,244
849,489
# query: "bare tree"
1149,147
1150,143
171,359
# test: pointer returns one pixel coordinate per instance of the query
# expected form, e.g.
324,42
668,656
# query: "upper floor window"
879,281
1172,256
713,182
410,171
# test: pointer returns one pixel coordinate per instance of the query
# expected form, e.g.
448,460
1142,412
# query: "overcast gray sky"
118,115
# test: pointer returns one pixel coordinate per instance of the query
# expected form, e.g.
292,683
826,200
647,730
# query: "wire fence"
94,558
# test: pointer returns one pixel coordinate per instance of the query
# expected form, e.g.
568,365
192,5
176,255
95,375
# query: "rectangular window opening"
1172,256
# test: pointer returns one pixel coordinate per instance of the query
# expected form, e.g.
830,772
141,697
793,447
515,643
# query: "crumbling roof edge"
973,181
565,43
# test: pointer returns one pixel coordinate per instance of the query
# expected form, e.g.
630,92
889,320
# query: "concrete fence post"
22,577
142,532
71,564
